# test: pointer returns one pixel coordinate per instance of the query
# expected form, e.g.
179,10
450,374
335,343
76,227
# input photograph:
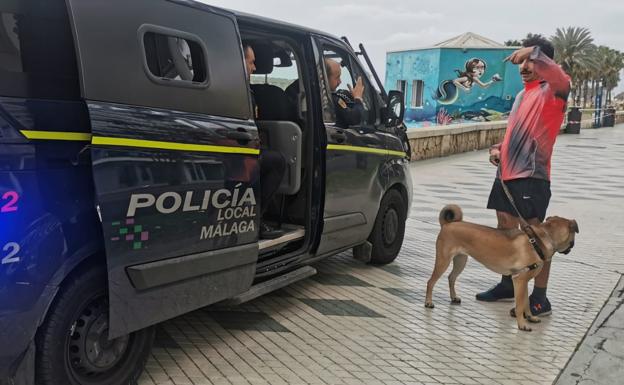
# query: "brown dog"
503,251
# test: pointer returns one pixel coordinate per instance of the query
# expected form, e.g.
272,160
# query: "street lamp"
598,104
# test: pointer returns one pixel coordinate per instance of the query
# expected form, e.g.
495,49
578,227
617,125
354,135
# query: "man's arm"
551,72
350,116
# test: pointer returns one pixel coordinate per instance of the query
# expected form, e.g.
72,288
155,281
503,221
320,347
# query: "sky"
383,25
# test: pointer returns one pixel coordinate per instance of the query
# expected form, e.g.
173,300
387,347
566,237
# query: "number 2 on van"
12,248
11,198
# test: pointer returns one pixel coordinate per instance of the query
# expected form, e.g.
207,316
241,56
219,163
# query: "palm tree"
573,46
513,43
613,65
518,43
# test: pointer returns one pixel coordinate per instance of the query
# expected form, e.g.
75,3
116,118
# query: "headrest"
284,58
264,58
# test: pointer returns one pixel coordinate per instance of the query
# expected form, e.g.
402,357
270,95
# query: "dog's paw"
525,328
456,301
429,305
533,319
512,313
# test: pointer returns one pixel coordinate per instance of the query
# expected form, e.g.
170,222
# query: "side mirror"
395,111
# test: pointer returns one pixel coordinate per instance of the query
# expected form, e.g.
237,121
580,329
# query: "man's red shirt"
534,122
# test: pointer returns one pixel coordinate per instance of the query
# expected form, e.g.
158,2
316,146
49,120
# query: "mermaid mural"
448,90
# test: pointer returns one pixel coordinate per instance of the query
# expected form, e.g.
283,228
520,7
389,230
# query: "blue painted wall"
436,67
413,65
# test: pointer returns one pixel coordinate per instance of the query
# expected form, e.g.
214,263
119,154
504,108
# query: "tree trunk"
579,93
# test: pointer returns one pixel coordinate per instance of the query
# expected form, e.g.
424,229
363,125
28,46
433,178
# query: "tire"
72,344
389,229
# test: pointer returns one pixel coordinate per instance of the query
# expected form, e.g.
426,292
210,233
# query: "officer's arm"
353,115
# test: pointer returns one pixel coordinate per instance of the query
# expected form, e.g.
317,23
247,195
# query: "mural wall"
410,66
458,85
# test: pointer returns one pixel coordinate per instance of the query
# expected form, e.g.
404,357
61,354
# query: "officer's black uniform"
349,112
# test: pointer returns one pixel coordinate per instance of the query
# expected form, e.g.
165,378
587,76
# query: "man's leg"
504,289
538,300
272,168
541,280
540,306
507,221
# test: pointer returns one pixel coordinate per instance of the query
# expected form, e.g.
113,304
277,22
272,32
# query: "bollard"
574,121
608,118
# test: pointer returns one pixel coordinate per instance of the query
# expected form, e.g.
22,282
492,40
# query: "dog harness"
528,230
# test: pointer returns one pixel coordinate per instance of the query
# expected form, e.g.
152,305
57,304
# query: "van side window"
175,58
37,56
350,72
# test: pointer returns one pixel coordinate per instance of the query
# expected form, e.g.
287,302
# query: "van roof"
247,17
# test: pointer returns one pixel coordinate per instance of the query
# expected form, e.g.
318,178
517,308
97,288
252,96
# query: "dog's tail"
450,213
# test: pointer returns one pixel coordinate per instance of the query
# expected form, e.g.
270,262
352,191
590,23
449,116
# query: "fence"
437,141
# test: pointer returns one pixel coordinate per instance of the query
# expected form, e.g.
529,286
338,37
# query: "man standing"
348,104
524,155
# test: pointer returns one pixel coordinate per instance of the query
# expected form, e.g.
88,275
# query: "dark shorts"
531,196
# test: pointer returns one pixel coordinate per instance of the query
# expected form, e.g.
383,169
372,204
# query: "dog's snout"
567,251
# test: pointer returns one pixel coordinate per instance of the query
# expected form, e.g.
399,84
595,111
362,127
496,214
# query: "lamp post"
598,104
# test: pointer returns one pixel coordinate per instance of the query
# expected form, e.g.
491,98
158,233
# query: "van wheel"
73,346
389,229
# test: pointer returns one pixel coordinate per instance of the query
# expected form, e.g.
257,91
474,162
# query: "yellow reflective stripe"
108,141
378,151
56,135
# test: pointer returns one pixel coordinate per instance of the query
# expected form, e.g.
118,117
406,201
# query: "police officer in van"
272,163
349,105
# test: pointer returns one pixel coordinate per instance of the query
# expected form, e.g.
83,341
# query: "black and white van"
129,174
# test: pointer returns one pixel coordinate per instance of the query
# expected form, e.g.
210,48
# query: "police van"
130,177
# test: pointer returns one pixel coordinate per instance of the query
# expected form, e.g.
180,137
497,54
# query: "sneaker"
540,307
269,232
496,293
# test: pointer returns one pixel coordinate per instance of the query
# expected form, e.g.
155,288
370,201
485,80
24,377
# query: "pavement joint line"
591,331
590,265
617,307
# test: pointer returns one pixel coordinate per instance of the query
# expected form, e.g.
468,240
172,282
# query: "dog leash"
525,226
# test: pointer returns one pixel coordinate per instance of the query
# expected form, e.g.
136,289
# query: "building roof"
468,40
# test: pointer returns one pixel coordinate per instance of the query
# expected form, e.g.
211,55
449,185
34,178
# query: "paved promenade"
359,324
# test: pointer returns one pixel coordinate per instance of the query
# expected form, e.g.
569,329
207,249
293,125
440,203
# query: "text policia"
237,204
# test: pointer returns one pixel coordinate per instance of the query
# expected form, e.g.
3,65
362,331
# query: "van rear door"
174,153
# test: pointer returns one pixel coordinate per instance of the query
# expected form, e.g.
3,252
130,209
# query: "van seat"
273,103
286,138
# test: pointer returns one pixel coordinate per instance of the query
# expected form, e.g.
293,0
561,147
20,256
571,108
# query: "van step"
272,284
292,233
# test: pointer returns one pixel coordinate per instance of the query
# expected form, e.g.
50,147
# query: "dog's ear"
574,226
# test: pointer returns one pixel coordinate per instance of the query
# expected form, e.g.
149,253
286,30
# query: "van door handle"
239,135
338,136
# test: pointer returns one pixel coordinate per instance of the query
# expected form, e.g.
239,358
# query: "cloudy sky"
384,25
